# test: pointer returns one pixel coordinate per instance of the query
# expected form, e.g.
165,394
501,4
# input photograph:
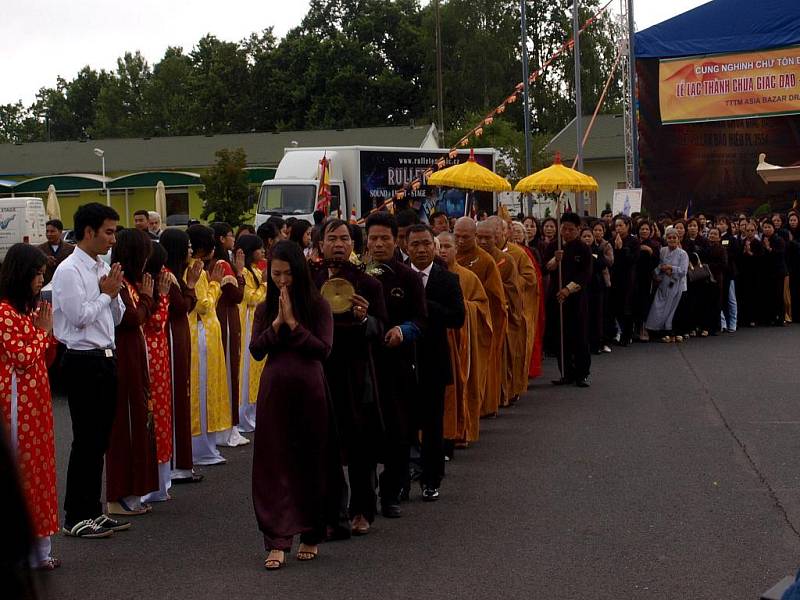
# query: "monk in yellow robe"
255,292
462,403
530,296
470,256
514,343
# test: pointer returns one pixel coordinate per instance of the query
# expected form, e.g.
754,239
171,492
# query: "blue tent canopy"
723,26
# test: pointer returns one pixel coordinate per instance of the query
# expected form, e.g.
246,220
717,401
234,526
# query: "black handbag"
699,272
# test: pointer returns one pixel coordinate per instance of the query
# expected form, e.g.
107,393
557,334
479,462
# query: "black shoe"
562,381
88,529
339,533
404,495
582,383
112,524
391,511
430,494
195,478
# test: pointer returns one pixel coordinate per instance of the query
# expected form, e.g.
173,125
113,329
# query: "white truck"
22,219
361,178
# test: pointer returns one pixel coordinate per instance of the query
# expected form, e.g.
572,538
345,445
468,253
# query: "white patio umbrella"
161,201
53,208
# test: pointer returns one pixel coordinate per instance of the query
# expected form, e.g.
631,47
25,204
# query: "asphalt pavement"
676,475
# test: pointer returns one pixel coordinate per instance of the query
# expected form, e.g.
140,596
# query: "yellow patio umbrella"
557,178
161,201
470,176
53,208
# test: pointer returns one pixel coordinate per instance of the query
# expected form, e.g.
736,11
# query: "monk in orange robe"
468,348
530,296
519,238
470,256
514,343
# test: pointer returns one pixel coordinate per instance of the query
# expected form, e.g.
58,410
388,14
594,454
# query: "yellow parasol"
557,178
470,176
53,208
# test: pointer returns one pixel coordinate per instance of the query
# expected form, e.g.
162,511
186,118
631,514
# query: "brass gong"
339,294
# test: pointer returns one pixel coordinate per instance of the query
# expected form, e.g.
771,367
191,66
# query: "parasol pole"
560,286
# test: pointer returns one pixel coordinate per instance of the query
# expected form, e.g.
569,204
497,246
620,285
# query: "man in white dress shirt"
86,308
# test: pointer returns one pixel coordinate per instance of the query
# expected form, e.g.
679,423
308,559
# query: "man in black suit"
395,359
445,303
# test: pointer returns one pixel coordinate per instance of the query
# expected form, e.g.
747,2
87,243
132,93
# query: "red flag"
324,195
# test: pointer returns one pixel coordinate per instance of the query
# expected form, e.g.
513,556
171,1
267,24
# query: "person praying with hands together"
132,466
25,404
296,471
86,308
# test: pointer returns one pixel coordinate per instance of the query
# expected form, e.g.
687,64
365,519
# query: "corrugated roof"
192,152
606,140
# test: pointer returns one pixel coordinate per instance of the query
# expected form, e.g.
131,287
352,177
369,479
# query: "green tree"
171,104
226,193
220,86
121,107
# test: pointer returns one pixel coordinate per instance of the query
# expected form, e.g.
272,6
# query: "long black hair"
131,251
248,244
298,231
304,294
176,244
221,230
156,262
202,239
21,265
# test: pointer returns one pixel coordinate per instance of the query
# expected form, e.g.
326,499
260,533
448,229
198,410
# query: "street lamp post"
102,155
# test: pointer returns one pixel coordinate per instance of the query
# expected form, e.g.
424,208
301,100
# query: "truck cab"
295,189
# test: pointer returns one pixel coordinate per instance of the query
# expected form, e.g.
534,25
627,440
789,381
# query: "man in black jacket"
445,303
575,258
395,359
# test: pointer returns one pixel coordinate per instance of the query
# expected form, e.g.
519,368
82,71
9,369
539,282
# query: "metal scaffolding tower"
629,93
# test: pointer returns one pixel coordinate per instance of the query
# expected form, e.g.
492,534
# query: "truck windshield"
286,199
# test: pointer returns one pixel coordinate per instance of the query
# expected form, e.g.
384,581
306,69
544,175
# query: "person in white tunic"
671,277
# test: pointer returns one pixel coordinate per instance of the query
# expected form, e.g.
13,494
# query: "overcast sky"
47,38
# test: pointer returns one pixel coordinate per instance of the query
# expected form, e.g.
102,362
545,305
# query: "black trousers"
361,476
91,384
395,474
577,356
431,422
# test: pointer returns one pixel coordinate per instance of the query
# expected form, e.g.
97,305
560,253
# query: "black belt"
95,353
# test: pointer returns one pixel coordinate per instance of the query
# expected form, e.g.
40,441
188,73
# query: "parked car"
177,220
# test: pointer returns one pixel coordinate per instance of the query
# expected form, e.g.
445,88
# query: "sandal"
120,507
304,554
273,564
49,564
666,339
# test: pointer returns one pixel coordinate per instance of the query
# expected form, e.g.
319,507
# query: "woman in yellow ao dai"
209,392
255,292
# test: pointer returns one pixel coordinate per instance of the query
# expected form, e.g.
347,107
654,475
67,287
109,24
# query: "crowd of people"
375,349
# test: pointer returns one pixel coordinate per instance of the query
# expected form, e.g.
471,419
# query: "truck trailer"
361,178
